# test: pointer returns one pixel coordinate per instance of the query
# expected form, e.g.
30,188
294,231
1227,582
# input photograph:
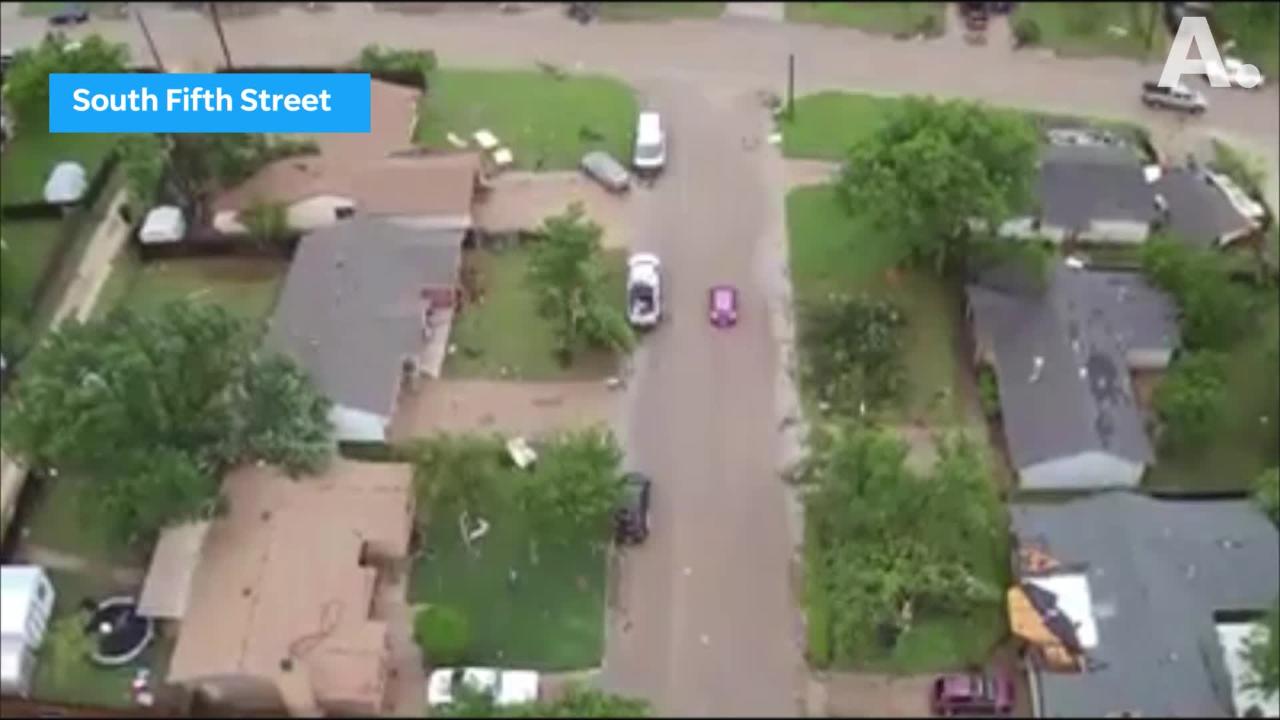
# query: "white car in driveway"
644,290
1232,71
507,687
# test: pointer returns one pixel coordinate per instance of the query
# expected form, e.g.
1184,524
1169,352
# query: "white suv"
651,144
644,290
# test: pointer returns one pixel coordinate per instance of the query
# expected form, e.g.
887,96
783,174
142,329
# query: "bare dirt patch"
510,408
874,695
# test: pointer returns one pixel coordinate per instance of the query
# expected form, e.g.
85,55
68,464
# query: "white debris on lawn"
455,141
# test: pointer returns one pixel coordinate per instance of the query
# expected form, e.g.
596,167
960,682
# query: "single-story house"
1121,599
284,610
366,309
320,191
1089,193
1199,211
1063,355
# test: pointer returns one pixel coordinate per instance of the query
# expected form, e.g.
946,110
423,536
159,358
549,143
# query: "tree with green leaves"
567,272
894,544
151,408
936,170
854,356
1190,399
26,81
1262,653
575,485
457,473
1266,491
67,650
1215,311
143,158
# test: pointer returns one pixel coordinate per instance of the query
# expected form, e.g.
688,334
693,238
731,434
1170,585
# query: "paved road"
706,623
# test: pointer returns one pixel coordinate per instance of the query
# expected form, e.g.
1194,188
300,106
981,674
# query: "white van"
651,143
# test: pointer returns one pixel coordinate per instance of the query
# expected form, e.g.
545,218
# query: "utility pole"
791,86
137,13
217,24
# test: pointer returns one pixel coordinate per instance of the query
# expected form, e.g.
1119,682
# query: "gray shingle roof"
1081,327
1199,213
352,306
1158,570
1079,184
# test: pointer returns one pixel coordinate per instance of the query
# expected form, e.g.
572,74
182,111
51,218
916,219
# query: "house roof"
1158,570
1079,184
281,577
352,305
1199,212
428,185
1060,360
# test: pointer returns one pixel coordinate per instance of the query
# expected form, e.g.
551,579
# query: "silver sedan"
604,169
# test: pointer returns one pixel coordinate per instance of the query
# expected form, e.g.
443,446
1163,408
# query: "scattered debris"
455,141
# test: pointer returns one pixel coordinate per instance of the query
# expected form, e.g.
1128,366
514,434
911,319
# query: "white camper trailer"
26,601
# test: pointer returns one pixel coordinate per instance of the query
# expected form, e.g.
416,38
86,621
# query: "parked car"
644,290
651,144
1175,98
971,694
601,167
631,519
1232,72
69,14
724,305
507,687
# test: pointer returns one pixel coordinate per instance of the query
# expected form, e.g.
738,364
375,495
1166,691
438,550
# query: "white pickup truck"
1175,98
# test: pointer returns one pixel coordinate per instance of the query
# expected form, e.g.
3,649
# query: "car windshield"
723,299
649,152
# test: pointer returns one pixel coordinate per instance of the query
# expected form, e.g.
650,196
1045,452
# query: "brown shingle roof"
281,577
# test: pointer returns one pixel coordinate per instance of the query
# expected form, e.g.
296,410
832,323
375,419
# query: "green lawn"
548,122
504,331
95,685
831,251
248,287
552,618
60,519
827,124
33,153
1243,444
29,247
1084,29
621,11
44,9
890,18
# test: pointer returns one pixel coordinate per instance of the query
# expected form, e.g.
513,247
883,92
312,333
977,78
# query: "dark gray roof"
352,306
1199,213
1081,183
1081,325
1158,570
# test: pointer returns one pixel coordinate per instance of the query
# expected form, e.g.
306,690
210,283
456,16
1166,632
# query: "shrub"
929,26
376,58
853,351
988,391
1190,400
816,602
266,221
1026,32
443,633
1266,490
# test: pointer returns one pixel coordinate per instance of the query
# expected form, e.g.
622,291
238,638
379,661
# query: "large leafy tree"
855,356
151,408
1190,399
574,486
1215,311
457,473
27,79
893,543
567,272
936,170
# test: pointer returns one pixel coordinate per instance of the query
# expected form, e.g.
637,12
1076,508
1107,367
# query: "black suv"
69,14
631,519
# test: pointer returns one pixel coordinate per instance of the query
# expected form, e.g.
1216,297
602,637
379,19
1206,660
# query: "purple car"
724,306
975,694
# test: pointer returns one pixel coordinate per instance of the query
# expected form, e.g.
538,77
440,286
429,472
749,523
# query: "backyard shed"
26,601
66,183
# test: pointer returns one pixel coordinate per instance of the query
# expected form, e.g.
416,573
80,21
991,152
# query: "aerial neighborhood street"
670,359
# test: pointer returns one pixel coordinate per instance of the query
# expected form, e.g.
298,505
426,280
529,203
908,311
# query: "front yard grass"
888,18
33,153
833,252
503,336
60,519
827,124
548,121
1084,29
650,11
248,287
1244,441
1255,30
29,247
550,618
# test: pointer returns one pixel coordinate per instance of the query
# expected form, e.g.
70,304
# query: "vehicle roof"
724,296
649,127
